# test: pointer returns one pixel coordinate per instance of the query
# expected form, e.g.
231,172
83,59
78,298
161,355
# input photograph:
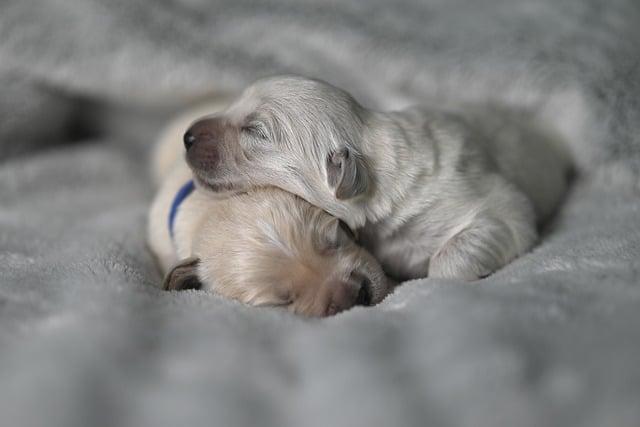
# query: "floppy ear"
346,174
183,276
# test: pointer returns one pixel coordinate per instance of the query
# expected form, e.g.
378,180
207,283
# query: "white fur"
263,247
448,194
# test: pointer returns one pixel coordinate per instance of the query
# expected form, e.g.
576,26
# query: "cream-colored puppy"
443,194
263,247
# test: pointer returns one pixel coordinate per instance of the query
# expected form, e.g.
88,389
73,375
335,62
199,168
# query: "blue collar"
181,195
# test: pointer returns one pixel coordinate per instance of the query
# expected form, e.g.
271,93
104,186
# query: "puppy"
263,247
433,193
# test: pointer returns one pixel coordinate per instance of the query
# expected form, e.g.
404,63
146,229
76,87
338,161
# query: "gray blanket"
86,337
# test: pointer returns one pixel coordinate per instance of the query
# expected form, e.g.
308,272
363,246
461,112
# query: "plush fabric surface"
86,338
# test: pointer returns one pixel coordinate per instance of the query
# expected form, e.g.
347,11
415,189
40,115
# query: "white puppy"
264,247
453,195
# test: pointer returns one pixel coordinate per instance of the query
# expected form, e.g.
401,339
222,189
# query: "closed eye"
255,129
283,304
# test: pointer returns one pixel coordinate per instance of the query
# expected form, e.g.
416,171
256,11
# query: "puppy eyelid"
285,298
255,128
339,240
275,304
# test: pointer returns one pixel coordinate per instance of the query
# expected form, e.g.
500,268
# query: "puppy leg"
481,248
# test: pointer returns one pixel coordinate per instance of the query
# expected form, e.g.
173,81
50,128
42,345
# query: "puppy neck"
398,157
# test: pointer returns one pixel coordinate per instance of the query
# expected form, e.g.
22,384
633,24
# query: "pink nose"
209,130
202,142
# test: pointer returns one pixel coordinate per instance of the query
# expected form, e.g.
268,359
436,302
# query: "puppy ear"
346,174
183,276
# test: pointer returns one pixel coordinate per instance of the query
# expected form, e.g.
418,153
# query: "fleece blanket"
88,339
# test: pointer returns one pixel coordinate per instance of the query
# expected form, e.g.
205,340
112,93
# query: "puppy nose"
347,294
188,140
364,293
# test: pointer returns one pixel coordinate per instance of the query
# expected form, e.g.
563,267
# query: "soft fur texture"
265,247
446,194
87,338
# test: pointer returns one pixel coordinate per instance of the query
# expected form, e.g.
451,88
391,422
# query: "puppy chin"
217,189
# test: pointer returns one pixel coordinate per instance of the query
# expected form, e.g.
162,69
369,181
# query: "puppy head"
297,134
275,249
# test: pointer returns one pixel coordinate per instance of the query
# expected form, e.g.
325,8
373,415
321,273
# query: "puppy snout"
204,130
203,141
345,295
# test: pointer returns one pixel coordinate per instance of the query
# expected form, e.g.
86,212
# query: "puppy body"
434,193
263,247
456,196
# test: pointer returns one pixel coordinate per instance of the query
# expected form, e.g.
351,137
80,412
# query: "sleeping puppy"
433,193
263,247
